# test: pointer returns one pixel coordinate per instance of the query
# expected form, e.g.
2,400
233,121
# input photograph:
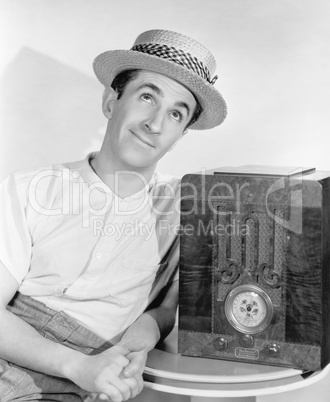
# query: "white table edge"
317,376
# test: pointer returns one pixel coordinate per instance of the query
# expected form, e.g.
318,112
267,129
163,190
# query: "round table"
218,380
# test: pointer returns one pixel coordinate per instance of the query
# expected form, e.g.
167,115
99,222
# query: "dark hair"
121,80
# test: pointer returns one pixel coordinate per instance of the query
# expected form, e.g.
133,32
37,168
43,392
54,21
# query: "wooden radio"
255,266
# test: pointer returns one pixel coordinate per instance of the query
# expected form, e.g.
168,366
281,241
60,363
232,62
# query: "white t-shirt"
73,244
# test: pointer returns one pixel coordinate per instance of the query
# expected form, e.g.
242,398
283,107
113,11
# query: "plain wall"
273,62
273,66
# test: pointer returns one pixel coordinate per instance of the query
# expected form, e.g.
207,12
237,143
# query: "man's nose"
154,121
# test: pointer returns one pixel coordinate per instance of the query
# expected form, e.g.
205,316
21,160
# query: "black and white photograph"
164,200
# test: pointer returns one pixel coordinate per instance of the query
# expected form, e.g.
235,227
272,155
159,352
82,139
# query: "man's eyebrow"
151,86
161,93
184,105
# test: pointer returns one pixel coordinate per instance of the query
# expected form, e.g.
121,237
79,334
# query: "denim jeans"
21,384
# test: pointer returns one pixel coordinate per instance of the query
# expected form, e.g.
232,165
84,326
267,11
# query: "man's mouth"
142,139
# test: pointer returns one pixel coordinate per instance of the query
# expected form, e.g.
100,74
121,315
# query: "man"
88,250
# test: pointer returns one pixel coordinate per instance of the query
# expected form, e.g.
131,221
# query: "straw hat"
176,56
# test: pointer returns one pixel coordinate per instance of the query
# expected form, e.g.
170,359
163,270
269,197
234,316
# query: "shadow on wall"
50,113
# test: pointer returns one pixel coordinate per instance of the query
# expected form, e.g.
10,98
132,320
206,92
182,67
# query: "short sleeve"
15,239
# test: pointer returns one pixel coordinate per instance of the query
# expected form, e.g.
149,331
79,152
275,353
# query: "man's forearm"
145,328
165,319
165,313
155,324
152,326
23,345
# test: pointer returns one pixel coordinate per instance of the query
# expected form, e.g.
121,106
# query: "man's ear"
109,96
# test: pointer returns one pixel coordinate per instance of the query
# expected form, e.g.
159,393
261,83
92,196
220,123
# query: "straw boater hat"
176,56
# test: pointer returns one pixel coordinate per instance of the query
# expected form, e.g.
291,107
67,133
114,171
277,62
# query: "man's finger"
121,386
136,364
136,384
111,393
103,397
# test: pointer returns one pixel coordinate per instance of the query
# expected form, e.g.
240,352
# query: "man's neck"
123,181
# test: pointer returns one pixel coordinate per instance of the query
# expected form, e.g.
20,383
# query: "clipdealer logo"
73,196
77,197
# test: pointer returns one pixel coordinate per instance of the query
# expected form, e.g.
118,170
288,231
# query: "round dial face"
248,309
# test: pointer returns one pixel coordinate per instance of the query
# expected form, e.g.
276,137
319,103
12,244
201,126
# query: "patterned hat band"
177,56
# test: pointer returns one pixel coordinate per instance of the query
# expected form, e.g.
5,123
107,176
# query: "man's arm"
153,325
20,343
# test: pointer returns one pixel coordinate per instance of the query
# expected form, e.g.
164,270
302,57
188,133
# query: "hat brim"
108,64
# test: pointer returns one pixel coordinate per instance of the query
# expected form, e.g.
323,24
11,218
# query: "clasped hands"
115,374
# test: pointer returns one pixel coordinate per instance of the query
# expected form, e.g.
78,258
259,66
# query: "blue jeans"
21,384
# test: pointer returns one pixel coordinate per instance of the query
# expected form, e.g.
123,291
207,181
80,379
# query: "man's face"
147,120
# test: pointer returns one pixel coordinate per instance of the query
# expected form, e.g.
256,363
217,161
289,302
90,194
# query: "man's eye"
177,115
146,98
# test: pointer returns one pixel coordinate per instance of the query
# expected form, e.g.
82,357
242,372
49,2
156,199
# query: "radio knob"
274,349
246,341
220,344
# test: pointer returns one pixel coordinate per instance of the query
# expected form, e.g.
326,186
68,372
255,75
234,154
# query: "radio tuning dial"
248,309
